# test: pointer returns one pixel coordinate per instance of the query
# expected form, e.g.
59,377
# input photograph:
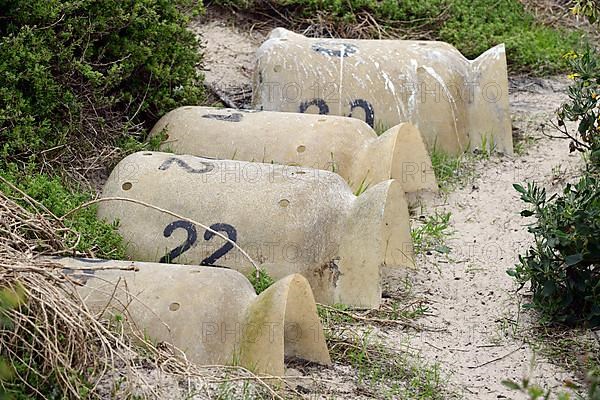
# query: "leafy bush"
97,237
563,266
535,392
385,10
91,68
475,26
472,26
81,74
588,8
583,106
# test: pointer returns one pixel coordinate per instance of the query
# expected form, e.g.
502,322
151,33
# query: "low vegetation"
9,300
381,371
535,392
78,79
261,281
430,232
87,234
562,266
577,350
84,73
452,171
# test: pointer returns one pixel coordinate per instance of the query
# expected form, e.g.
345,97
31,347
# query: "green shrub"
93,68
448,169
588,8
473,26
384,10
97,237
563,267
584,100
535,392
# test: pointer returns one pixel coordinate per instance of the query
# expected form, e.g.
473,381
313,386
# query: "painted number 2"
226,248
206,167
192,237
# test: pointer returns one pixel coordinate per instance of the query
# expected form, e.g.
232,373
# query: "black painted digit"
320,103
235,117
91,260
334,49
206,167
192,236
81,275
226,248
367,107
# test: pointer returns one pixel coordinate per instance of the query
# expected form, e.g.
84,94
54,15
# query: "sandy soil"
468,291
229,58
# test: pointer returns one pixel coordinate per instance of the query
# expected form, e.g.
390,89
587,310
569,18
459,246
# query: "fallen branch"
495,359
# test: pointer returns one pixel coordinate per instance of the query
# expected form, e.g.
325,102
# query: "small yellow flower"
573,76
571,55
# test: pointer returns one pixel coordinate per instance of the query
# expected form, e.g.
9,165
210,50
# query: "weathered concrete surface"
347,146
454,102
212,314
289,219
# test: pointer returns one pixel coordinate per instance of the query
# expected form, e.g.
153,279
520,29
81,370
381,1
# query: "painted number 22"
192,237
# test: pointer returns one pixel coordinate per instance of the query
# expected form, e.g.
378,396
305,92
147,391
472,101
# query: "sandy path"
468,290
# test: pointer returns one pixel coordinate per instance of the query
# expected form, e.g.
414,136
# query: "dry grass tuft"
52,339
367,27
268,14
23,232
557,14
55,344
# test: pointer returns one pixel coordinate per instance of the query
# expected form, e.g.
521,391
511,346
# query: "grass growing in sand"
381,371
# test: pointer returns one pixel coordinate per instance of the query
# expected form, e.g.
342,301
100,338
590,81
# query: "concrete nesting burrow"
212,314
347,146
455,103
289,219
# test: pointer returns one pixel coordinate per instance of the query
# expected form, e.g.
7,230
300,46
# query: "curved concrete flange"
212,314
347,146
289,219
454,102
